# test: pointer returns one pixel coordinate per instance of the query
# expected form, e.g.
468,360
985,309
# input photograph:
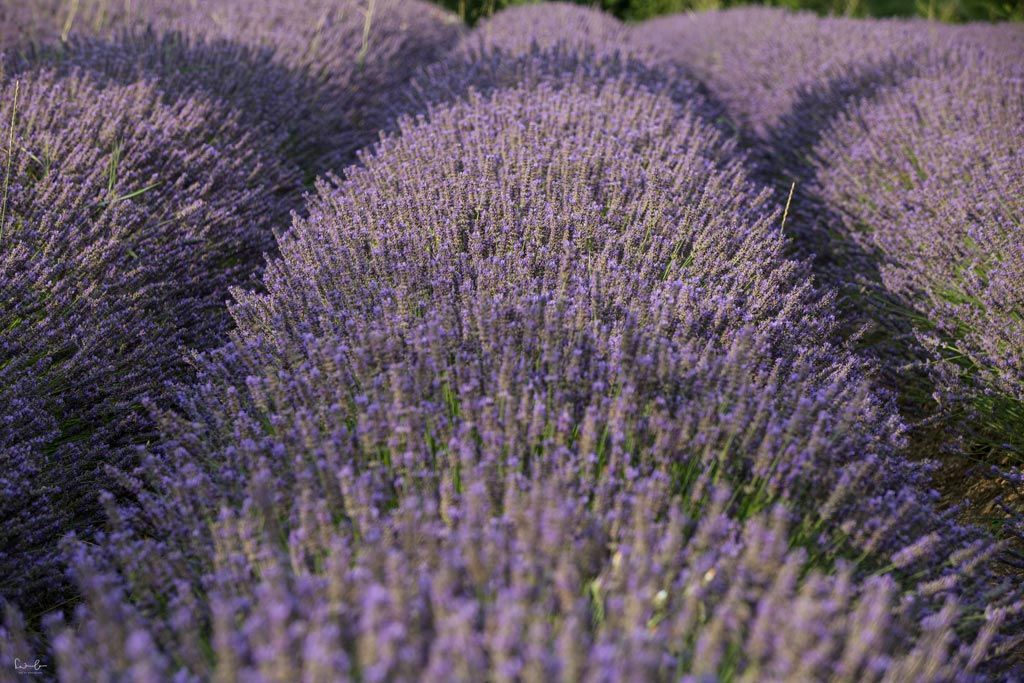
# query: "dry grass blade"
10,156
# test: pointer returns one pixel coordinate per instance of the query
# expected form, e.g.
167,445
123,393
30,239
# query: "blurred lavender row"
321,71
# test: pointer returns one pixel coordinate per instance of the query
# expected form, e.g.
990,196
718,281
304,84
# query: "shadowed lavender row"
927,180
124,220
903,140
142,175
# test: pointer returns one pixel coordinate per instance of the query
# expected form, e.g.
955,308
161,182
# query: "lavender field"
340,341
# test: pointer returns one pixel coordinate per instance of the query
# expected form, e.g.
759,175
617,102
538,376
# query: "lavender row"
761,63
536,394
900,138
555,43
143,174
782,79
124,221
926,180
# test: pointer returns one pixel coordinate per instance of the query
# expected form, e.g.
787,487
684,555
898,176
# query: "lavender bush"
549,425
123,221
547,24
926,180
800,90
474,67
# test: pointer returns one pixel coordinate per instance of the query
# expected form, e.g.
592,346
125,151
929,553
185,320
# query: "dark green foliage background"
945,10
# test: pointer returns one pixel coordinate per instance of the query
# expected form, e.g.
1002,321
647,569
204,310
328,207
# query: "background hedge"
944,10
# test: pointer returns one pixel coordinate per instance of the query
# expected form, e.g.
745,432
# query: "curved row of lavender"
122,223
928,180
142,175
903,140
535,394
761,62
784,77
